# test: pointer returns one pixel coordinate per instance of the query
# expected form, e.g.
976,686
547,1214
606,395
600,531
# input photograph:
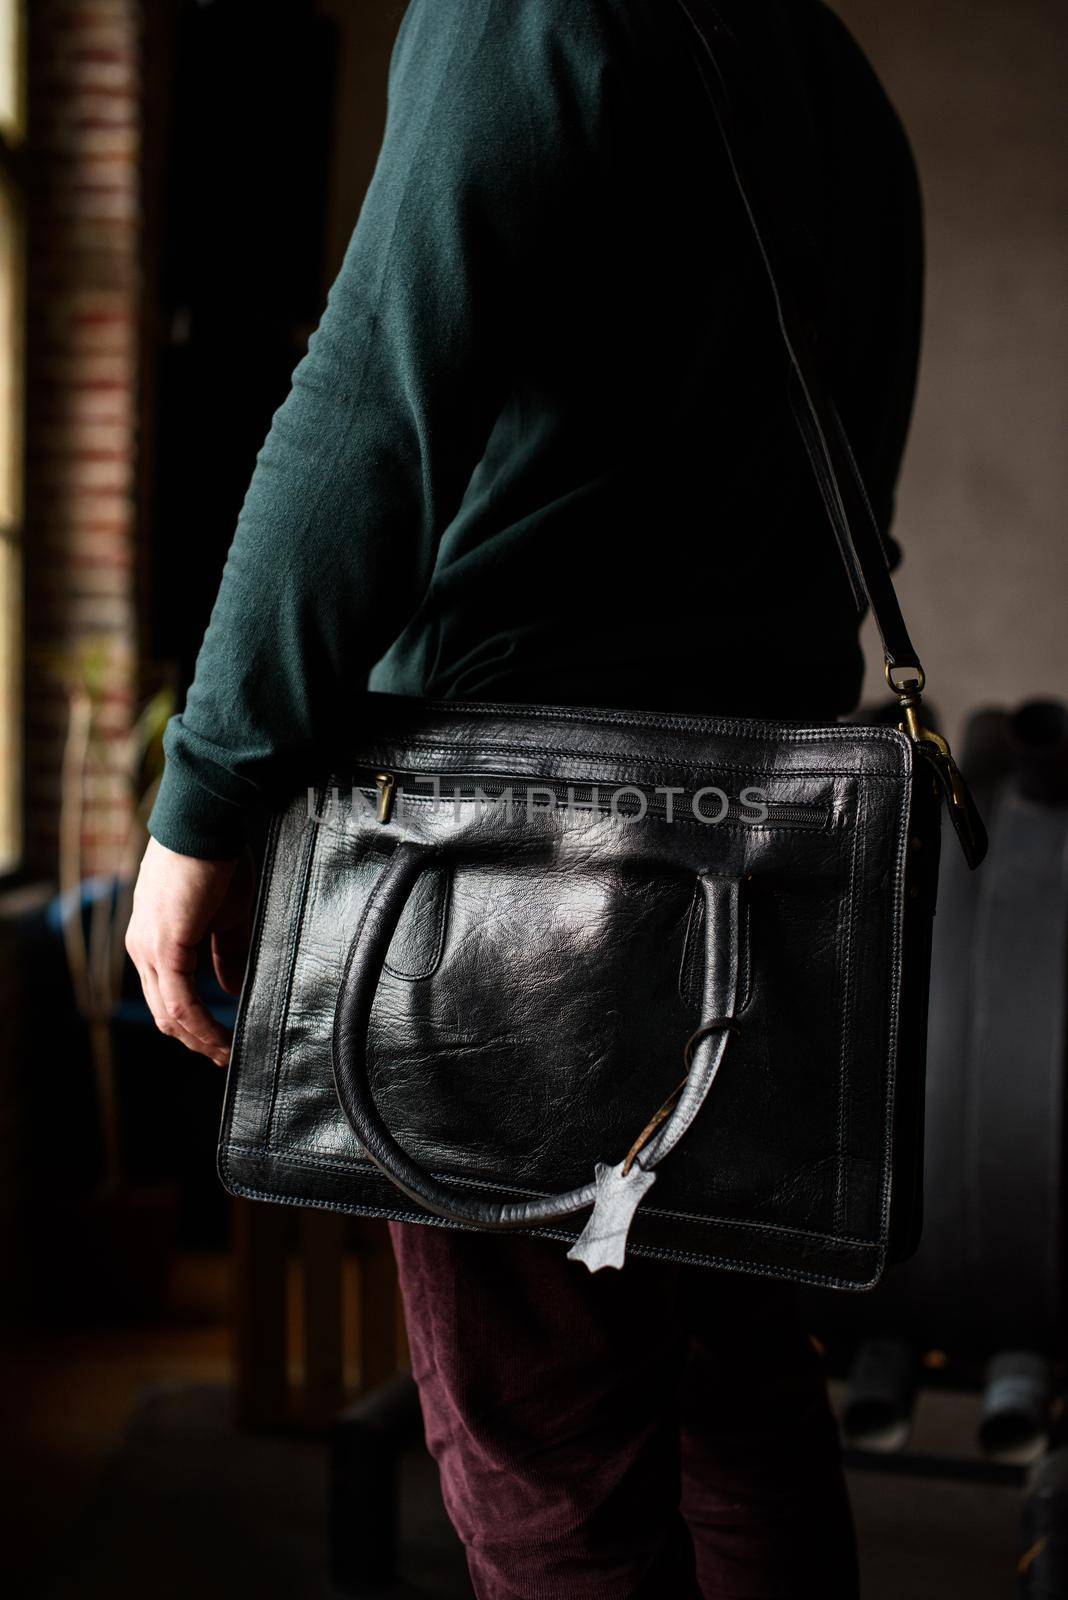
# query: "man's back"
540,447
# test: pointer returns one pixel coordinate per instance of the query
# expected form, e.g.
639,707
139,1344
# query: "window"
12,100
11,85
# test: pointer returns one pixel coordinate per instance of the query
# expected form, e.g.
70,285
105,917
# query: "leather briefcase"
614,976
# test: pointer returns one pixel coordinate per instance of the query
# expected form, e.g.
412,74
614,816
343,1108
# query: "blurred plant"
94,944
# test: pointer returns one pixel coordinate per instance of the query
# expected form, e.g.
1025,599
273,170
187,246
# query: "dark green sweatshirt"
539,447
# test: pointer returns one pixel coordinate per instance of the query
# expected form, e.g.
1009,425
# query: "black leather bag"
614,976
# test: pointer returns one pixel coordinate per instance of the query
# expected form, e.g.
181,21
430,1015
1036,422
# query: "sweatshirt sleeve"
492,109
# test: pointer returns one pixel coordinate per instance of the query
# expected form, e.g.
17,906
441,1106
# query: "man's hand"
178,901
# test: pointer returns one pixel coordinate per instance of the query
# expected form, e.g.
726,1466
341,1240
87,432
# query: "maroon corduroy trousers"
661,1433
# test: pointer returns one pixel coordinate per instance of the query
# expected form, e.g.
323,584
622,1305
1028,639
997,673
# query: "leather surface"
539,1023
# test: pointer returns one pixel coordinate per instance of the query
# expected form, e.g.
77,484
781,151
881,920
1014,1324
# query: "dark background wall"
981,87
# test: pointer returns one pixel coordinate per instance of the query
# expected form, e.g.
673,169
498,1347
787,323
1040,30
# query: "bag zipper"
631,800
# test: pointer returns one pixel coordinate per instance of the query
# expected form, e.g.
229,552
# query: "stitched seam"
654,719
904,812
629,760
358,1167
747,953
270,856
848,961
689,952
827,1280
291,967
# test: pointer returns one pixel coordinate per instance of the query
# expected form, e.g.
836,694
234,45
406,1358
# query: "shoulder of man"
530,24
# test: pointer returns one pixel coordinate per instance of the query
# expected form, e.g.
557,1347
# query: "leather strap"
838,478
611,1187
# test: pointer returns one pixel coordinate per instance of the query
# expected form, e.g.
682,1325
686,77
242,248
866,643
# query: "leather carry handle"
834,466
616,1191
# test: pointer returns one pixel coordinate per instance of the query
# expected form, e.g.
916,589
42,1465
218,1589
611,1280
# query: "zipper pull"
386,784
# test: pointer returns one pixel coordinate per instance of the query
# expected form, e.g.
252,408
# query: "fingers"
184,1009
175,901
164,1023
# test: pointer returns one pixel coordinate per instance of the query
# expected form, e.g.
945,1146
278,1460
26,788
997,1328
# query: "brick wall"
82,335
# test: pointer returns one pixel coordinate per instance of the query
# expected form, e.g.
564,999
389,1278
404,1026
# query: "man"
540,449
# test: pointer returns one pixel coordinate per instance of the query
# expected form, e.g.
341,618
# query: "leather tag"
603,1241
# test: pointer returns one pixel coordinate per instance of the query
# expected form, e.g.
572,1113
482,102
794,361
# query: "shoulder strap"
835,468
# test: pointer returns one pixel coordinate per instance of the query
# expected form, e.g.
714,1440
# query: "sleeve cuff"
190,820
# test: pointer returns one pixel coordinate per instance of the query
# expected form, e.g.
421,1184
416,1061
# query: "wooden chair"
316,1314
